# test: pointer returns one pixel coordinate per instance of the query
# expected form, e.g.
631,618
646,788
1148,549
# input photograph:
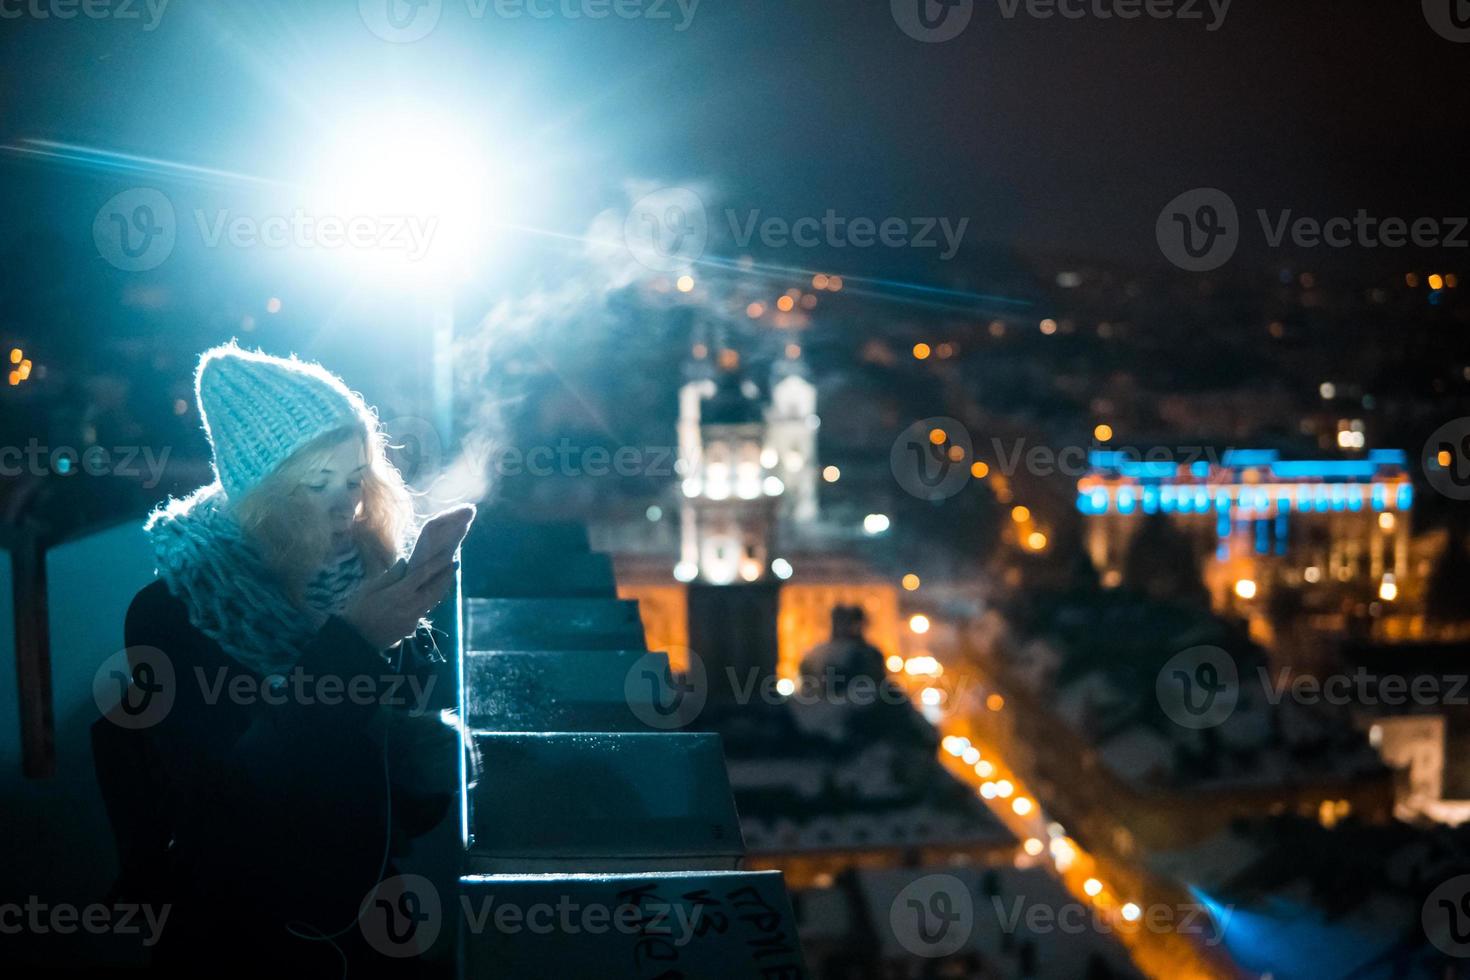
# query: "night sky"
1052,136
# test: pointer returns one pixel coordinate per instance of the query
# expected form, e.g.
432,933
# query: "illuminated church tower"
731,488
791,435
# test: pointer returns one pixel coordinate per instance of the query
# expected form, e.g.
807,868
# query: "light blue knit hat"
258,410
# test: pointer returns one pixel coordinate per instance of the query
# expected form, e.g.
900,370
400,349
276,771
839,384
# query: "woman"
291,765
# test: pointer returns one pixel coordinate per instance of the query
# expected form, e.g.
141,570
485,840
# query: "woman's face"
334,491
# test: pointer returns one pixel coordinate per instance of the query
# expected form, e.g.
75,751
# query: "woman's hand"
388,608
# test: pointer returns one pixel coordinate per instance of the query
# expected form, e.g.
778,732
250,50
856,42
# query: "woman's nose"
344,502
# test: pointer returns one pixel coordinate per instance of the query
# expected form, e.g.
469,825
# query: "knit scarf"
231,595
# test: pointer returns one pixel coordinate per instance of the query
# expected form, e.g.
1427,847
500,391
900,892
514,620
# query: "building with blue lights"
1261,523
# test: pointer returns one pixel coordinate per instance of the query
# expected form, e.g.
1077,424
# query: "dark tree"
1161,563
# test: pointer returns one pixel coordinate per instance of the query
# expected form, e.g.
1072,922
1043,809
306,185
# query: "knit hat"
258,410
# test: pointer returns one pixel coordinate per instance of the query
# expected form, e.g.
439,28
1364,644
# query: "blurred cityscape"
1074,574
1047,507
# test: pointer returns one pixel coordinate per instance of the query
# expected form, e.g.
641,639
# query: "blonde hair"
293,540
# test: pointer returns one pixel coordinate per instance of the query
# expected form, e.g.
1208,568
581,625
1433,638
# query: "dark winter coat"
274,818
